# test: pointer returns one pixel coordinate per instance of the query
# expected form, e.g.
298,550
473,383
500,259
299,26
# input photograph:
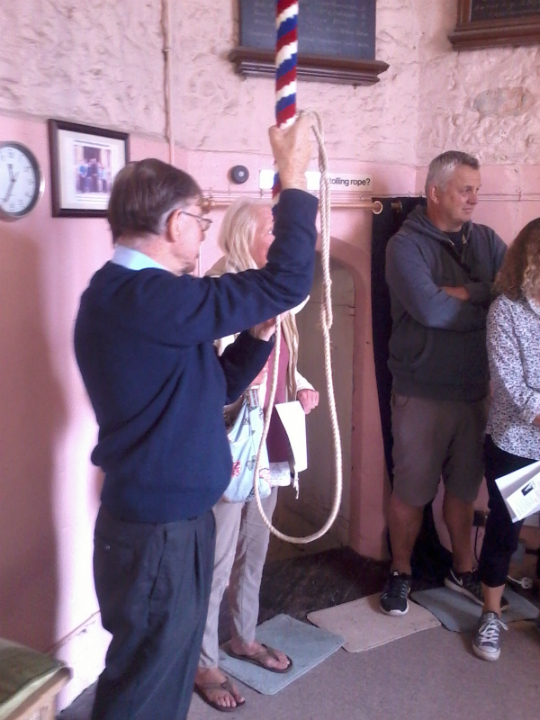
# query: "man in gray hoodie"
439,267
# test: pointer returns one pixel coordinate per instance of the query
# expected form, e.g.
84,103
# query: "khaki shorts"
434,438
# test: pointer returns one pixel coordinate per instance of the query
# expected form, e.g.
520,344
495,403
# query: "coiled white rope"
326,324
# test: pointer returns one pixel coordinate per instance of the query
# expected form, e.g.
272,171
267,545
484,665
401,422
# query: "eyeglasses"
204,222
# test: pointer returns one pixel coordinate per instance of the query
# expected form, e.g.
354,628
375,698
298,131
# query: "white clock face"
20,181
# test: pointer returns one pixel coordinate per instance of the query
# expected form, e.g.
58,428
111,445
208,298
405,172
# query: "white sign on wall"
343,182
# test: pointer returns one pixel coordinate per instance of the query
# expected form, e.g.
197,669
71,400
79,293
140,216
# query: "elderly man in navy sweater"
144,344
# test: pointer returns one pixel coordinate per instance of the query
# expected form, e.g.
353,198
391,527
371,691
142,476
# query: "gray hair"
441,167
237,233
144,194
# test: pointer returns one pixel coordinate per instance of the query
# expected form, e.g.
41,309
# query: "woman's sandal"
257,659
203,690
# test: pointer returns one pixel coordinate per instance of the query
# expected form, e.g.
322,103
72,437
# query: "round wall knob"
239,174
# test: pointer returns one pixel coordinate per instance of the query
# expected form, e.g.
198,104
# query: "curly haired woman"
513,434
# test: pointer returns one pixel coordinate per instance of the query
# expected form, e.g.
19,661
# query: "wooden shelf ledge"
479,35
251,62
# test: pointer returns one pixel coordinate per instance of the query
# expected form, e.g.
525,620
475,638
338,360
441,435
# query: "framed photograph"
84,163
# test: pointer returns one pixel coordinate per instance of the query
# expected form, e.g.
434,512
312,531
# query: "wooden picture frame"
502,23
84,163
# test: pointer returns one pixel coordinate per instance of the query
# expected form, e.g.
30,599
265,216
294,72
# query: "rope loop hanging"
286,62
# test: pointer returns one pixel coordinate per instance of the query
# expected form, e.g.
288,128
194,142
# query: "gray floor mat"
305,644
459,614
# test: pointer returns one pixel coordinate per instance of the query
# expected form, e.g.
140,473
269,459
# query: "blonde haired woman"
241,536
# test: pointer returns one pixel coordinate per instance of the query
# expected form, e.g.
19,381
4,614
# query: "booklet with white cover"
521,491
293,417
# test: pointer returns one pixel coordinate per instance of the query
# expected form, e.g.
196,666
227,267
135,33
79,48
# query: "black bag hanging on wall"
430,560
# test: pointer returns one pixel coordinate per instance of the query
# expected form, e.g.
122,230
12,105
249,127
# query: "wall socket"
479,518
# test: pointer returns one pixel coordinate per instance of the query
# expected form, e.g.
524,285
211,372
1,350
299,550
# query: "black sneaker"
394,599
487,641
466,583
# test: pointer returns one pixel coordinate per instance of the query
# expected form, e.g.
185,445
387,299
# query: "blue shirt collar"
133,259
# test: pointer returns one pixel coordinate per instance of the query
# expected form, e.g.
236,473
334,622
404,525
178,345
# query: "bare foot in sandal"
262,655
215,688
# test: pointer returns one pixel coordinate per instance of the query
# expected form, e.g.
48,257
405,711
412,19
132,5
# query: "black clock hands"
12,181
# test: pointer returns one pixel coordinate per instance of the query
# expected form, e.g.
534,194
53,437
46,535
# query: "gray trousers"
241,546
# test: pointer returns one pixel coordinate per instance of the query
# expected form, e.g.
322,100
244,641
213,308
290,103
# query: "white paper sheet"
293,418
521,491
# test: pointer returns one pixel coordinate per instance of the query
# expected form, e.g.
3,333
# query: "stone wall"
485,101
102,63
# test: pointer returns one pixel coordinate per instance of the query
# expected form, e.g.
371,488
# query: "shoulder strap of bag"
448,248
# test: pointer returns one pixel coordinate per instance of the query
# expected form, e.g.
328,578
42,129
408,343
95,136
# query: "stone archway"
310,511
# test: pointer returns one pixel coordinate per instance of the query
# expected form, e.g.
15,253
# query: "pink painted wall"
49,491
83,62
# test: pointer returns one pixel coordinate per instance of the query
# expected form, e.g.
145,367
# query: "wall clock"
21,181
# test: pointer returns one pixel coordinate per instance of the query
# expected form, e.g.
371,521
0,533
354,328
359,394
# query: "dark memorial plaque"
501,10
332,28
336,40
492,23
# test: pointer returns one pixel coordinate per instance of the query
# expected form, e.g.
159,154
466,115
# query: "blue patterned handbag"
244,422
